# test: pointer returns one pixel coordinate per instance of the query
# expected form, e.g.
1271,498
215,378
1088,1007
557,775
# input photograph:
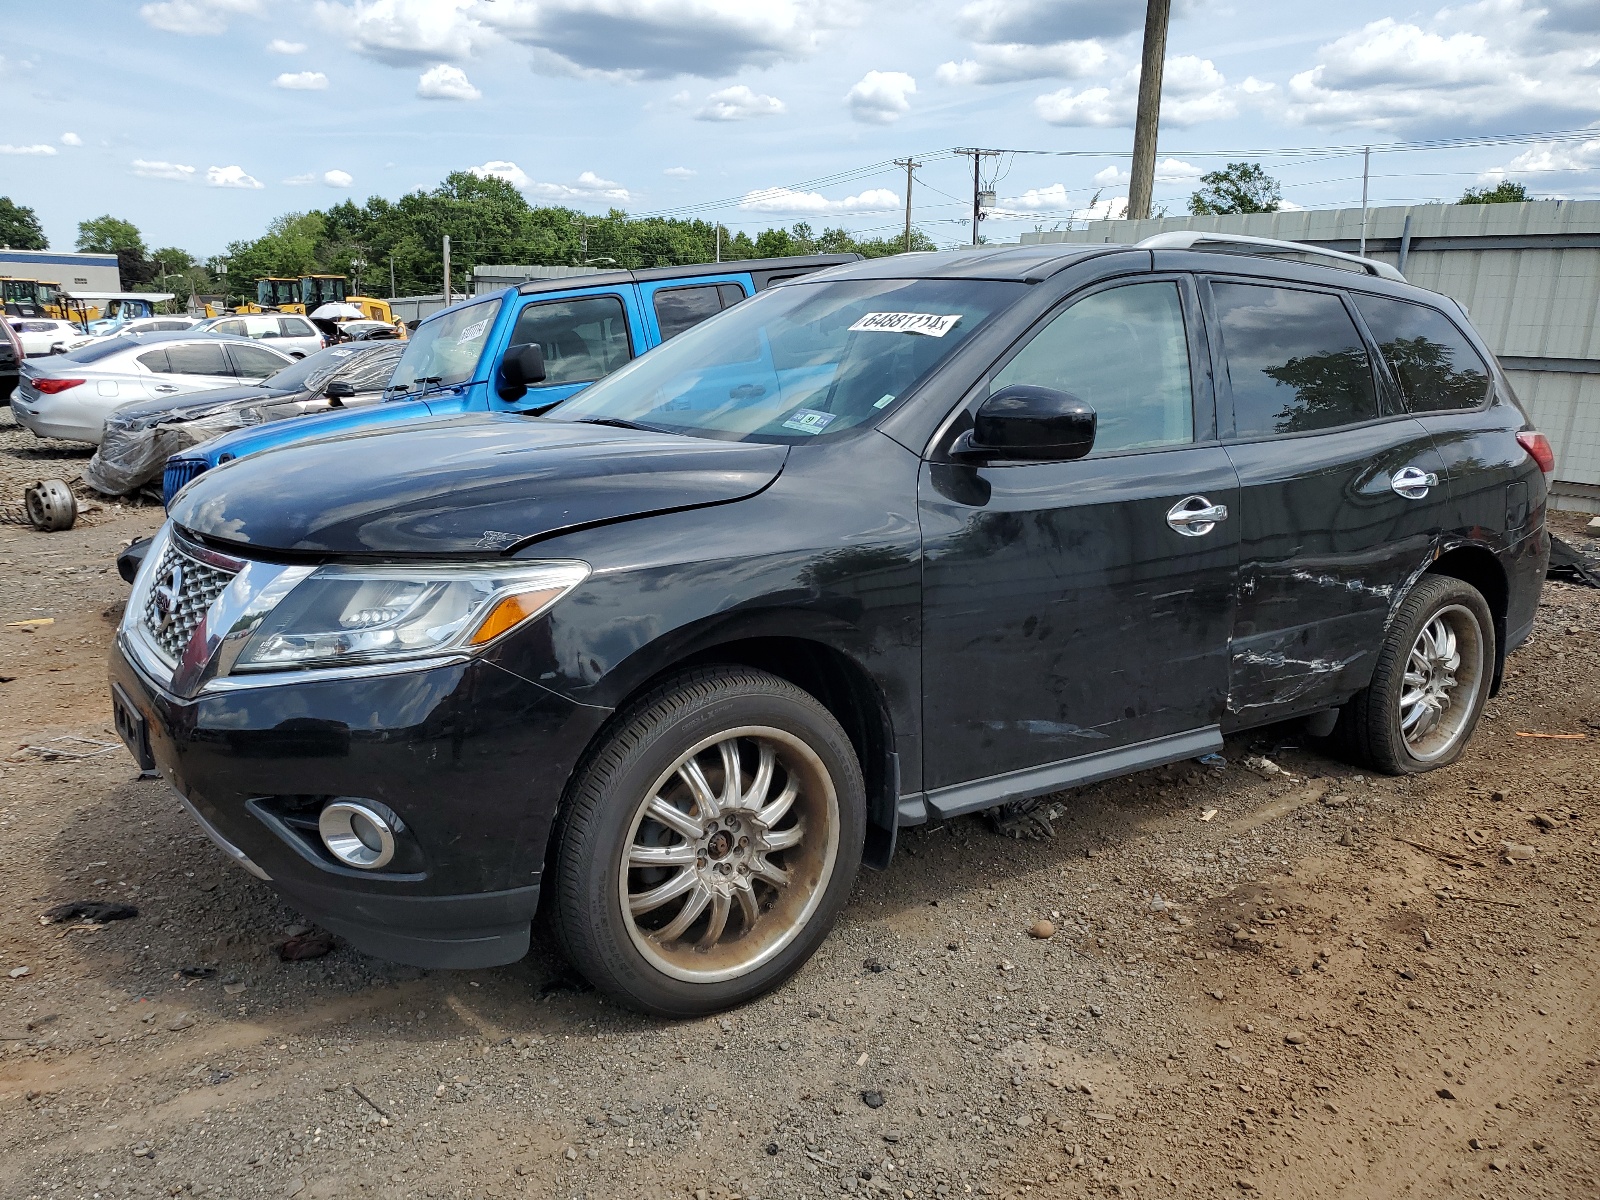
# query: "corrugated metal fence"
1529,274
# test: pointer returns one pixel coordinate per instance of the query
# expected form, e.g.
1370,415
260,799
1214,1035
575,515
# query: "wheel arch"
1477,566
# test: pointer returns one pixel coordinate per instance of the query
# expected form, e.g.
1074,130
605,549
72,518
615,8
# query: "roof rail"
1238,243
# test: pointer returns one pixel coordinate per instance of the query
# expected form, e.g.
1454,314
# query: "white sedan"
42,335
69,395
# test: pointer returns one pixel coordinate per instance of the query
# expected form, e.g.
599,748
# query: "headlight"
343,615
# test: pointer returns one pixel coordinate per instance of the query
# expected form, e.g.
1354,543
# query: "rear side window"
1125,353
289,327
678,309
1295,360
1437,367
155,360
583,340
198,358
252,362
235,328
731,294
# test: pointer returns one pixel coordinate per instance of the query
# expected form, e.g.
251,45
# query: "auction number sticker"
809,420
930,324
473,332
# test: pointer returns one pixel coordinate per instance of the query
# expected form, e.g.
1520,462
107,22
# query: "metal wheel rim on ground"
1443,674
714,882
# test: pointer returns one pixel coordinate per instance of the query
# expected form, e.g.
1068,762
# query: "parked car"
40,336
141,436
10,361
586,330
368,331
294,335
98,330
910,539
70,395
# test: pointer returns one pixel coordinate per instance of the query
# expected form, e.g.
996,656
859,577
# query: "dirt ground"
1309,983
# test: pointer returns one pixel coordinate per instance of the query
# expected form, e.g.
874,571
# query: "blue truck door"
584,334
673,305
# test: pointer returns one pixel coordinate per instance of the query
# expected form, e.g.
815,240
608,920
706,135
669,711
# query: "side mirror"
523,367
1030,423
339,390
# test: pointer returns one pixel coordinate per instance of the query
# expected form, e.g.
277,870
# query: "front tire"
708,845
1430,684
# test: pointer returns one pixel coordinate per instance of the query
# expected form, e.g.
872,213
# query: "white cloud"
301,180
444,82
337,178
679,173
71,139
659,39
279,46
197,17
302,81
881,97
40,149
738,103
1548,158
786,200
1009,62
1168,170
1483,66
230,177
1192,90
587,188
407,32
147,169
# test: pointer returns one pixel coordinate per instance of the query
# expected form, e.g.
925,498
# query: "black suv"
901,540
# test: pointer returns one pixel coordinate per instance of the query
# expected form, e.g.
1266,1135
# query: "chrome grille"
181,590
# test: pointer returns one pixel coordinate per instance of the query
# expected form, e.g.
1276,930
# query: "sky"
201,120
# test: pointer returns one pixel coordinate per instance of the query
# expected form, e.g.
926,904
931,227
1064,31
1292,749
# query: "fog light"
359,834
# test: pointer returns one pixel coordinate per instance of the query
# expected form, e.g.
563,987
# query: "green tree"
1504,192
20,228
1238,188
108,234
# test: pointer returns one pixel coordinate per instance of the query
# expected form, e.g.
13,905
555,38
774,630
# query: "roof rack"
1238,243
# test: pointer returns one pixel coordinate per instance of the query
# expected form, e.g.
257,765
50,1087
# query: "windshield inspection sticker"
931,324
809,420
473,332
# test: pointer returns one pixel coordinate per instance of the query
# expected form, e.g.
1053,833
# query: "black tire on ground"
1369,729
605,819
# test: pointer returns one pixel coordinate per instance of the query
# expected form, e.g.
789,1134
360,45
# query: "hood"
143,414
474,485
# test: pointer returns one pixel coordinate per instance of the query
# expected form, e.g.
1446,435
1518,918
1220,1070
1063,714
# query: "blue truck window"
678,309
583,339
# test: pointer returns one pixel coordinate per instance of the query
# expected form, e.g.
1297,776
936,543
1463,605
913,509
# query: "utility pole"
719,241
447,270
1147,123
910,165
391,275
1366,163
978,194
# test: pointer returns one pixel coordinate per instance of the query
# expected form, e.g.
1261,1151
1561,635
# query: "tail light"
1538,448
51,386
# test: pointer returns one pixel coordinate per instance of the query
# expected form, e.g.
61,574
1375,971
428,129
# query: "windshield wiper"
616,423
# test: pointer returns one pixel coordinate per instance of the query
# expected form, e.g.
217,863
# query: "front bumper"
472,757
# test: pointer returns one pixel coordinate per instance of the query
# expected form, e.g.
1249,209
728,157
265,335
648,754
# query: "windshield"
310,372
802,361
446,349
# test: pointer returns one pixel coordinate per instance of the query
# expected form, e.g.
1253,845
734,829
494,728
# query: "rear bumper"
472,759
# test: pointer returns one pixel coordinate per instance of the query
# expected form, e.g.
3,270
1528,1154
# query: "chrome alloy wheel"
729,854
1443,675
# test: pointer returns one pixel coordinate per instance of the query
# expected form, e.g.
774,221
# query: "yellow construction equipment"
309,293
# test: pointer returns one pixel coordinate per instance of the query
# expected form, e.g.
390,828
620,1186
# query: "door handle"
166,387
1195,516
1412,483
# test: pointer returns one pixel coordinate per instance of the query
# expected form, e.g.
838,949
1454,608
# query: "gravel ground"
1304,982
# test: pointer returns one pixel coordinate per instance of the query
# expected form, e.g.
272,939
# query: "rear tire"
1430,685
679,894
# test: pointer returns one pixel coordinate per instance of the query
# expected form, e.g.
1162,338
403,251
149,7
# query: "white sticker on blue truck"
473,332
929,324
809,420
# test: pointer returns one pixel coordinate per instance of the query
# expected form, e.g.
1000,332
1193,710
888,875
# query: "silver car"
294,335
69,395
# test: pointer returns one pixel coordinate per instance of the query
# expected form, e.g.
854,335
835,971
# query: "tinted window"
1437,367
678,309
154,360
170,326
95,351
731,294
1124,351
252,362
583,340
289,327
198,358
236,328
1294,360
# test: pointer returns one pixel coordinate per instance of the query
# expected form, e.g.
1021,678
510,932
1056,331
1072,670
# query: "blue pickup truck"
585,327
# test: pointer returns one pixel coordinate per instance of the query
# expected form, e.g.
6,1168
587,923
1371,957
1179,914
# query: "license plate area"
131,728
